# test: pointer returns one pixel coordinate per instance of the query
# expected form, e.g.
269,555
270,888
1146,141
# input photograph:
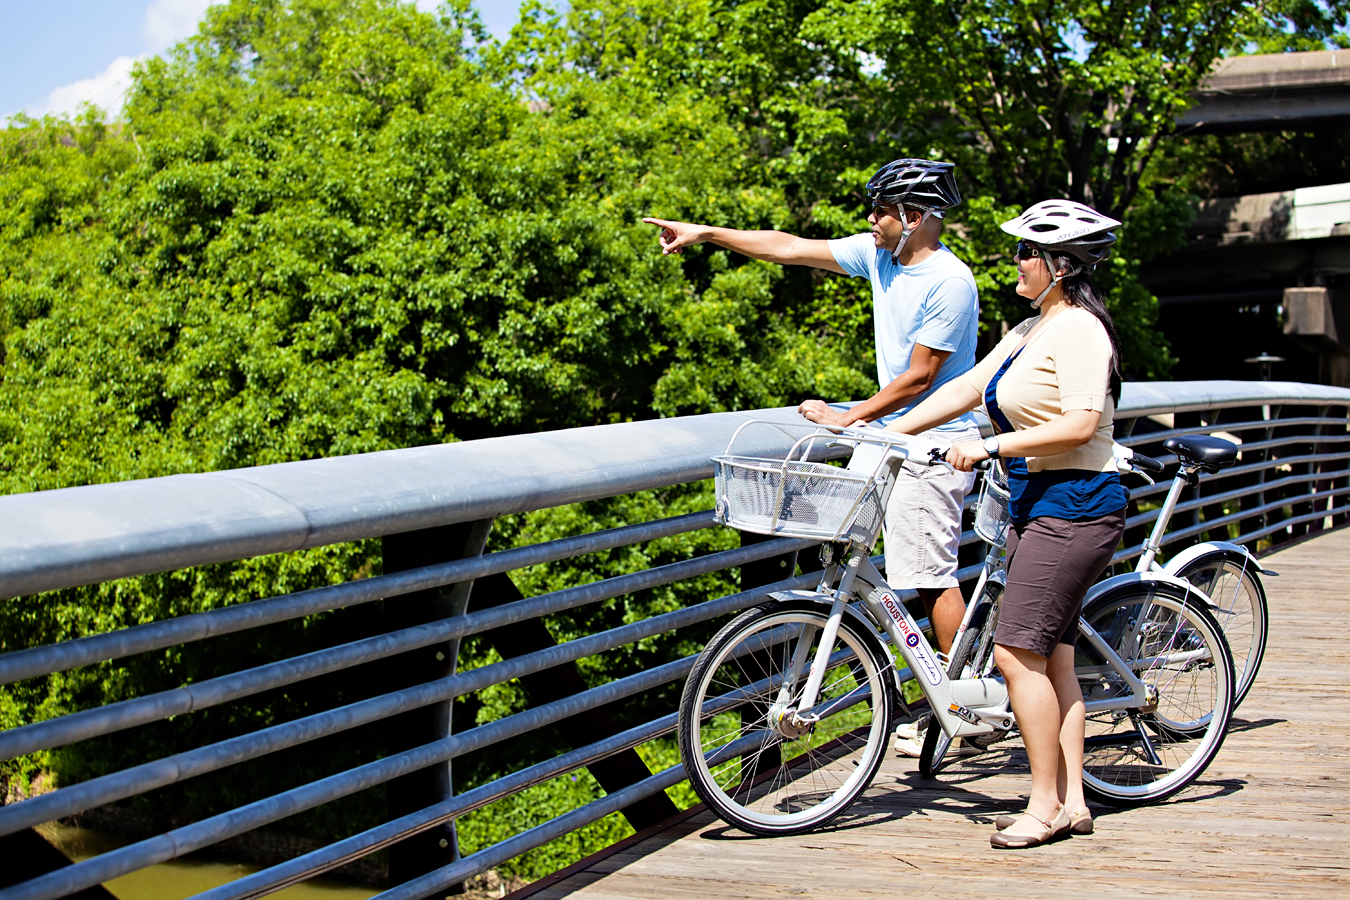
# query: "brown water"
182,878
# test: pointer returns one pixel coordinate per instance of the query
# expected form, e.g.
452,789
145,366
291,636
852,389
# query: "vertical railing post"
438,847
1343,473
1272,416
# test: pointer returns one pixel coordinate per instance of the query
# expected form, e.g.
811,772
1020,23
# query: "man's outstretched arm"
770,246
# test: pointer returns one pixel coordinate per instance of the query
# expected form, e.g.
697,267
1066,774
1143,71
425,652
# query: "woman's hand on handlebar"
964,455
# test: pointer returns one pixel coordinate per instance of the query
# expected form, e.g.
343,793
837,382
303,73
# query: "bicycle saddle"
1207,452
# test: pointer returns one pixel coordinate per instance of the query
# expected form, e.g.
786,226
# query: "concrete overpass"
1270,272
1273,92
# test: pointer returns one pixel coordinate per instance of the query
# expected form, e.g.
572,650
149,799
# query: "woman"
1049,389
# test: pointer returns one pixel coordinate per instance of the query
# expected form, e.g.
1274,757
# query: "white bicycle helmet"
1063,226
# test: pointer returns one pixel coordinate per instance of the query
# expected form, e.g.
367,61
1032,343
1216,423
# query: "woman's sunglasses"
1027,250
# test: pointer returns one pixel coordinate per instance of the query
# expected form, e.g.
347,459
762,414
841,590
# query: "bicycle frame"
1152,546
963,707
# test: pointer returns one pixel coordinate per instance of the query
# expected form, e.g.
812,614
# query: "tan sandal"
1012,839
1079,822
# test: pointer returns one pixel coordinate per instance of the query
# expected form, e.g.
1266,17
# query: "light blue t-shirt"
934,303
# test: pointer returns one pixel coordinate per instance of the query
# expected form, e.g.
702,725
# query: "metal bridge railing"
1293,479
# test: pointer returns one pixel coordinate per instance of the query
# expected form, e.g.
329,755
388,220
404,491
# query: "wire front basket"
795,498
992,513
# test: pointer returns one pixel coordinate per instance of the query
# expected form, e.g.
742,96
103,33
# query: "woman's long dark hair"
1080,291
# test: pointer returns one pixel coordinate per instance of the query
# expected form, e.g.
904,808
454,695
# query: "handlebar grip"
983,465
1146,463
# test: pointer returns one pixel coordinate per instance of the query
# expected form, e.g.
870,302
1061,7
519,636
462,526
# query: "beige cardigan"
1065,366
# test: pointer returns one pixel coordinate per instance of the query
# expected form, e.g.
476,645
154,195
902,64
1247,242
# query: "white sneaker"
908,746
909,738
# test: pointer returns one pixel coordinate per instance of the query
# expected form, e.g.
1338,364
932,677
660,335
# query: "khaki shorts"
923,525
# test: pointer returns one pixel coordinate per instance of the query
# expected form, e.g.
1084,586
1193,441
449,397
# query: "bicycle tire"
1175,645
1231,581
810,777
971,653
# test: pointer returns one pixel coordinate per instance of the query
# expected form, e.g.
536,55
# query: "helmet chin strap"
906,232
1054,280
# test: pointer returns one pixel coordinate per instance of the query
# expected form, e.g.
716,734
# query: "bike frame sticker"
927,664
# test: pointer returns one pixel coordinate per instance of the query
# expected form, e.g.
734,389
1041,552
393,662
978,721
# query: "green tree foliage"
1294,25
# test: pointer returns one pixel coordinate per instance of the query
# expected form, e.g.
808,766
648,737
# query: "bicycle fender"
1129,578
857,611
1176,563
852,609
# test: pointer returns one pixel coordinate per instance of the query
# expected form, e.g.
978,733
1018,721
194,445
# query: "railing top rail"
83,535
1152,398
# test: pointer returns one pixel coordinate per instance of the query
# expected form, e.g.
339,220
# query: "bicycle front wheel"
745,756
1231,582
1148,753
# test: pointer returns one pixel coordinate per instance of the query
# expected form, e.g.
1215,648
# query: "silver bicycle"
787,713
1226,576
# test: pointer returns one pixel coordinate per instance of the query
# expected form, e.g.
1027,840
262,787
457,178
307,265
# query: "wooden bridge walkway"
1271,816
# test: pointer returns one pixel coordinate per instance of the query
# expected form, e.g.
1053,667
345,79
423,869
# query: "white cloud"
107,89
169,21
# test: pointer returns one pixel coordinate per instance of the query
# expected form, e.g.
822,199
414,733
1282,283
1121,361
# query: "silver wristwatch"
991,447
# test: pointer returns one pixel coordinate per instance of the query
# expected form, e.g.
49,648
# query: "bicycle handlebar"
1147,463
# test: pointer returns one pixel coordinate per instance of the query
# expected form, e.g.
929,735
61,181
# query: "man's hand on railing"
822,413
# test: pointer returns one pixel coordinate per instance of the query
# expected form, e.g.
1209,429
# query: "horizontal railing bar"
1248,468
221,827
474,864
212,692
1181,534
1152,437
1272,443
342,852
148,776
188,838
1192,530
22,664
338,854
437,880
1297,520
1236,494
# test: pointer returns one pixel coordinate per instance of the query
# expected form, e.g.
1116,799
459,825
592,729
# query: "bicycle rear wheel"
1231,582
744,757
1147,754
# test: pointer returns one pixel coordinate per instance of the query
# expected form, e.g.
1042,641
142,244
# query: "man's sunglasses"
1027,250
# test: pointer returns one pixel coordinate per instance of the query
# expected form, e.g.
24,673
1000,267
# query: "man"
926,311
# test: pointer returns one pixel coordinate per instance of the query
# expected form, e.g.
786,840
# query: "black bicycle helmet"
919,183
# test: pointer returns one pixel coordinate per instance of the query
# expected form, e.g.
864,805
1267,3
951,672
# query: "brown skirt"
1051,564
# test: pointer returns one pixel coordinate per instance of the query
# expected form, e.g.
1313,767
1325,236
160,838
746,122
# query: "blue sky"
59,53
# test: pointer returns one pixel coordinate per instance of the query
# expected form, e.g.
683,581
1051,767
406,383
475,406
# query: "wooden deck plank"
1271,816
